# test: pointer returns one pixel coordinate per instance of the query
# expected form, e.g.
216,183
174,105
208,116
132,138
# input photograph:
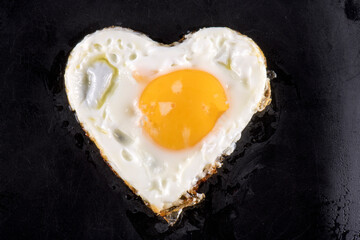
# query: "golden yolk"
180,108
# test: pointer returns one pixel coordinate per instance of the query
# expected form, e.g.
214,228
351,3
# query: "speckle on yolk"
180,108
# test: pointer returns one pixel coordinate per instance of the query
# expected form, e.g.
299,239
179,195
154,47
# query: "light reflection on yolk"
182,107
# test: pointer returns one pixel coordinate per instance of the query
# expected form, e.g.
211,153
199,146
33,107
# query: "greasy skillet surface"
294,175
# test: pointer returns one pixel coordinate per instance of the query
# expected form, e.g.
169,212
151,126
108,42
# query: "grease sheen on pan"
108,76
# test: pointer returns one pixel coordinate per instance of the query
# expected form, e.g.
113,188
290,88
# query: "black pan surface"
294,175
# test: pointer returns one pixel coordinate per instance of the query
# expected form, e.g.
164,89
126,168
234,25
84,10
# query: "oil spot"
79,140
89,158
263,126
65,124
352,9
59,108
271,74
161,227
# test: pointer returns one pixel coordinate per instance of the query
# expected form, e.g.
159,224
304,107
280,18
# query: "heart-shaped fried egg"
163,115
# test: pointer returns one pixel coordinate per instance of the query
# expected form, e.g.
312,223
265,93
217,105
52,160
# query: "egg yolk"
180,108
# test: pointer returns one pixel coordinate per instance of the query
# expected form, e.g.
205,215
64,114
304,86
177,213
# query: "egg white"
101,89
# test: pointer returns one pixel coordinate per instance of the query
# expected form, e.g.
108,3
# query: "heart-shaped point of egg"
164,115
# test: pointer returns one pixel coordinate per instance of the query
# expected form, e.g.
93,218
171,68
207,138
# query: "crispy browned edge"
209,169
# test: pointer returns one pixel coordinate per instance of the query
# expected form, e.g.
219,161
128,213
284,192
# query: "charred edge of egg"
266,98
191,197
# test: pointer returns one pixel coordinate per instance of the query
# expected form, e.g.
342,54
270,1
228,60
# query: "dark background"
294,175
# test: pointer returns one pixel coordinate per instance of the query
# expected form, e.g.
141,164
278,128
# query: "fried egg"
164,115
